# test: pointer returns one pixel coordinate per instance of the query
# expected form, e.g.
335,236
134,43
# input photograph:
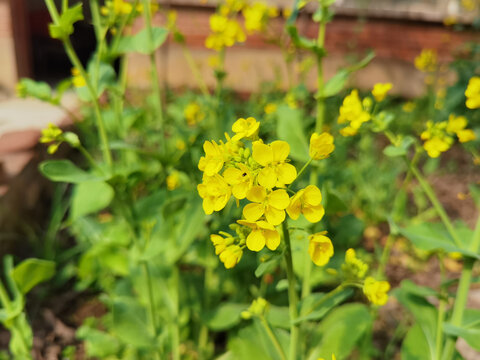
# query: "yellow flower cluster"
259,173
473,93
380,91
376,291
173,180
52,134
354,268
225,29
77,79
439,138
122,7
427,60
193,113
257,15
353,112
258,308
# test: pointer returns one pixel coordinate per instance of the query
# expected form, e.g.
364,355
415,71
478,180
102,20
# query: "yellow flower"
426,61
245,128
376,291
213,160
435,146
409,106
270,108
77,79
240,179
262,234
256,16
272,205
259,307
320,248
180,144
354,267
173,180
321,146
473,93
469,4
215,193
286,13
51,133
380,91
225,32
276,171
291,101
456,123
231,256
308,202
353,113
436,138
221,243
466,135
193,113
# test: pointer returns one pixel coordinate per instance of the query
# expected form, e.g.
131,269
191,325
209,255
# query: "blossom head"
173,180
321,146
270,108
271,205
354,268
231,256
215,193
193,113
320,248
245,128
213,160
307,202
376,291
276,171
352,113
77,79
380,91
262,234
240,178
472,93
427,60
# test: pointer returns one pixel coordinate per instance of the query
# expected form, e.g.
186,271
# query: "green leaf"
224,317
130,324
471,336
36,89
31,272
66,171
422,291
98,343
340,331
335,84
415,345
268,266
434,237
424,313
140,42
315,307
278,316
64,28
90,197
394,151
101,75
290,129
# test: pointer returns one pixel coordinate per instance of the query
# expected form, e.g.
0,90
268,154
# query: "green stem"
203,335
436,204
272,337
153,63
292,294
301,172
175,328
385,255
462,293
196,73
320,79
441,312
151,303
4,298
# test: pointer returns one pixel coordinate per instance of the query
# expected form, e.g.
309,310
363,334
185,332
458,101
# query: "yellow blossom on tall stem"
245,128
321,146
262,234
353,113
241,180
276,171
215,193
376,291
307,202
473,93
320,248
271,205
231,256
426,61
213,160
380,91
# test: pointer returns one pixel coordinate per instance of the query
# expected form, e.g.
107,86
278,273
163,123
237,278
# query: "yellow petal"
264,225
312,195
208,205
220,202
274,216
262,153
257,194
278,199
314,213
280,149
267,177
272,239
253,211
255,240
286,173
240,190
232,175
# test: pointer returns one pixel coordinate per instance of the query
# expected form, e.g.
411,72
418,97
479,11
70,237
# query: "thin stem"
385,255
436,204
441,312
196,73
320,79
4,298
462,293
151,302
153,62
301,172
175,328
272,337
292,294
